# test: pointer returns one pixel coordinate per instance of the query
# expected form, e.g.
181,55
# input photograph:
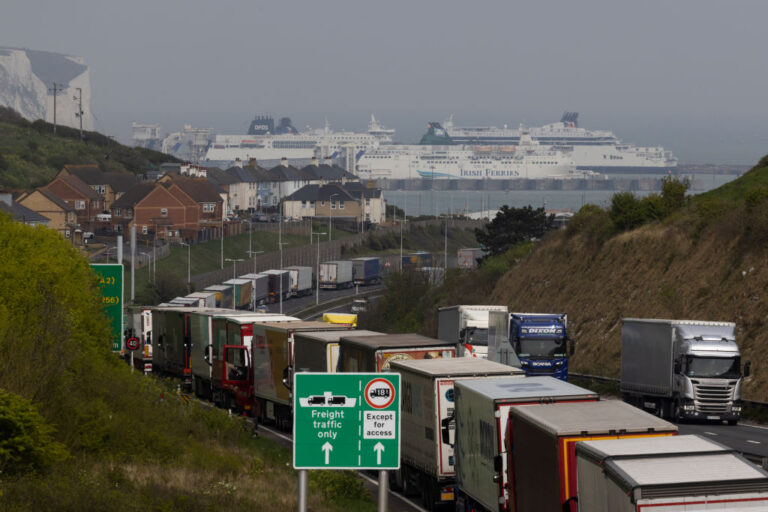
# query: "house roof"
92,175
22,213
78,184
133,195
356,188
55,199
321,193
219,177
199,189
246,174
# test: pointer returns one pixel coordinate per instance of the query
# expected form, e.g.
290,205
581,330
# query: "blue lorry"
541,342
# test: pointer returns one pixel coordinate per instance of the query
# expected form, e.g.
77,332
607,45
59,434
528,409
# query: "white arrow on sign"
327,447
378,449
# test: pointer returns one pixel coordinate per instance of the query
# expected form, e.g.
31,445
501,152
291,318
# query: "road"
748,438
397,502
296,304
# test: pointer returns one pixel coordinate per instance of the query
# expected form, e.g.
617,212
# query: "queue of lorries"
489,421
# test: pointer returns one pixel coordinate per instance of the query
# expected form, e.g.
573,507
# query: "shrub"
26,440
335,485
627,211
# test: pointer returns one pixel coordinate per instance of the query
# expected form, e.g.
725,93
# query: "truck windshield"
704,367
542,348
476,336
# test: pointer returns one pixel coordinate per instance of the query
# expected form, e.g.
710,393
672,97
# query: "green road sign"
111,284
346,421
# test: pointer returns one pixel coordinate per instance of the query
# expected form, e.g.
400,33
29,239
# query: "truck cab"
541,342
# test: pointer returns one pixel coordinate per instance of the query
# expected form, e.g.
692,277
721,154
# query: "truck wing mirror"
207,356
572,346
747,368
678,366
498,463
445,430
287,377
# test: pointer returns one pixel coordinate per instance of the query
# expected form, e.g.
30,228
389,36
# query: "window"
164,212
79,205
367,201
117,211
208,207
333,205
143,230
129,213
311,204
67,233
322,203
341,205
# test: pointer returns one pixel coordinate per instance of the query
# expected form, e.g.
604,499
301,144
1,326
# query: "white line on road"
753,426
753,442
376,483
710,433
275,432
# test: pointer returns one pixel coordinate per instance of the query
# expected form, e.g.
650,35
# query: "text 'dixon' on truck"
541,342
467,326
682,369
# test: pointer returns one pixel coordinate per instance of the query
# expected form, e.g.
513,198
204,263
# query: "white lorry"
682,369
467,327
336,274
301,279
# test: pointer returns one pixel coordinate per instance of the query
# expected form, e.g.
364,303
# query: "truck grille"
712,398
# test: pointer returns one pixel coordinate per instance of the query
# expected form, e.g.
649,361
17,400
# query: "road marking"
393,493
275,432
753,442
753,426
710,433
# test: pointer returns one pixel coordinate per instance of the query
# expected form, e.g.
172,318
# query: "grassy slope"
707,262
30,156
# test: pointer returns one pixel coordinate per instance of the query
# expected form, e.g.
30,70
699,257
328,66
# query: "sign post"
111,284
346,421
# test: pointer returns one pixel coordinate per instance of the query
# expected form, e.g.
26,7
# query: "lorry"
417,259
171,342
374,353
482,413
540,444
347,319
279,283
140,325
204,299
467,327
682,369
427,422
259,289
223,295
273,368
241,291
366,271
468,258
301,279
541,342
336,274
220,354
318,351
698,474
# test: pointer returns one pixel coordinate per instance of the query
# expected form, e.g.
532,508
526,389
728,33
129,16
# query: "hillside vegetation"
78,431
664,256
30,155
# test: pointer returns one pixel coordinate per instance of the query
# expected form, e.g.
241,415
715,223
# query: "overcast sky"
691,75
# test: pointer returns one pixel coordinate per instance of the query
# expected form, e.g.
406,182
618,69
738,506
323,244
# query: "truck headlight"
689,407
736,408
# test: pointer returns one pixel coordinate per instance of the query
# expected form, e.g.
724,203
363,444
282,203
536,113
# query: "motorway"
748,438
297,304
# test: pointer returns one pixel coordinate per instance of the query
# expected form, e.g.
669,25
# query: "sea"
437,202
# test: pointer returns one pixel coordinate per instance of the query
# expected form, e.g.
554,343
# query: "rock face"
26,85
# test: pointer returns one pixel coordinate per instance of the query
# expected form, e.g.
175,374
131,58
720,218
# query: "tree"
512,226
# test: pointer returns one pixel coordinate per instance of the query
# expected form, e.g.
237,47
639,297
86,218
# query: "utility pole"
55,90
79,113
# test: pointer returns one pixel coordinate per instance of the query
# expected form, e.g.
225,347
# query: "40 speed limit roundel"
379,393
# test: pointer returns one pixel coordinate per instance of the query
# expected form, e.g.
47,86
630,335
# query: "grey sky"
687,74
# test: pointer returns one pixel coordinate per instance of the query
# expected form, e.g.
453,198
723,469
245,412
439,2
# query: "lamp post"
189,265
253,254
281,275
330,216
234,275
317,275
402,221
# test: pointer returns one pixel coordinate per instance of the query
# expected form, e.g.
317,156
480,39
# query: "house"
244,189
122,209
322,201
328,173
373,204
109,185
20,213
44,202
75,192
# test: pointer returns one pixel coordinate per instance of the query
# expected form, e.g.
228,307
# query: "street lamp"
234,276
317,276
330,216
281,275
253,254
189,264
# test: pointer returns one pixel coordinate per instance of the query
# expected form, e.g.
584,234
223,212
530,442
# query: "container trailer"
482,413
279,283
259,289
223,295
467,327
374,353
428,406
668,474
468,258
301,279
336,274
366,271
242,290
204,299
318,351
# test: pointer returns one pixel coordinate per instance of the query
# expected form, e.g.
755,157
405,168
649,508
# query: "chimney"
238,163
252,162
314,161
327,161
284,162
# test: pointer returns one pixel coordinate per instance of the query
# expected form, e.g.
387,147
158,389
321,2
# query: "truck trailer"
682,369
366,271
482,413
279,283
259,289
318,351
242,290
468,258
336,274
467,327
670,474
223,295
540,443
374,353
204,299
428,427
301,279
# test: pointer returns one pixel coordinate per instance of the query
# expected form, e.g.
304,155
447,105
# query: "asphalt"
749,439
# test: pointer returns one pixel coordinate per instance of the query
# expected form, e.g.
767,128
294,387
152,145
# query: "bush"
26,440
627,211
336,485
592,222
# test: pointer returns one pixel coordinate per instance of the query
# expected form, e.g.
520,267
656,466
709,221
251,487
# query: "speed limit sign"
132,343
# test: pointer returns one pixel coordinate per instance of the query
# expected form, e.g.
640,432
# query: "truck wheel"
733,422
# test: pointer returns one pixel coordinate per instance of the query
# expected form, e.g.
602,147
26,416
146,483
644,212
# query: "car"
260,218
88,235
359,306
